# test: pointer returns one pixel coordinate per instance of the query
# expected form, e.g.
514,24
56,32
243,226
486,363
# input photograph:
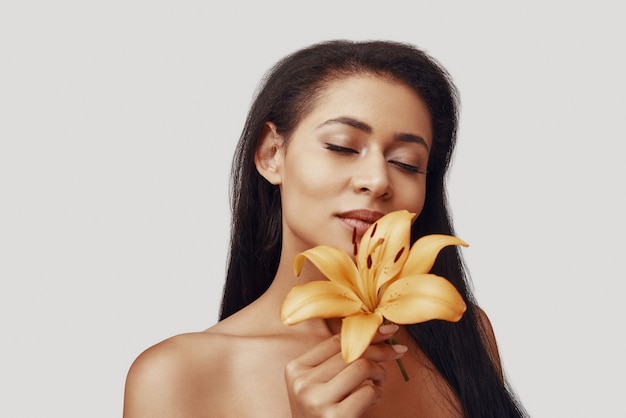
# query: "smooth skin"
362,149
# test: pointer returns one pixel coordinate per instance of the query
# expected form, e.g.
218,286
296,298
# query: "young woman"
340,134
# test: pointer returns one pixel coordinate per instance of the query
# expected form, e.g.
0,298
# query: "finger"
328,369
357,403
352,378
317,365
321,352
375,352
341,380
384,352
385,332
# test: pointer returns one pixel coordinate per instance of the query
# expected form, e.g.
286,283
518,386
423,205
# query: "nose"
371,176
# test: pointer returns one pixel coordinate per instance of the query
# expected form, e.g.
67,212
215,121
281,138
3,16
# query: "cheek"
416,205
308,198
419,205
314,176
306,183
411,196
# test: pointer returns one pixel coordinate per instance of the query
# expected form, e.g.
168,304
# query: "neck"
284,280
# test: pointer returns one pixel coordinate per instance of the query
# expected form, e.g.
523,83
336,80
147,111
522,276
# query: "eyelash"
402,166
337,148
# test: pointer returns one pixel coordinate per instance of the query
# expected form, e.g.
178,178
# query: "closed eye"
408,168
337,148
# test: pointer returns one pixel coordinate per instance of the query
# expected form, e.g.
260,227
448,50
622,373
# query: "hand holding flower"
320,383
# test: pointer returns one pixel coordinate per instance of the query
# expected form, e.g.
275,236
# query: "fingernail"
399,348
388,329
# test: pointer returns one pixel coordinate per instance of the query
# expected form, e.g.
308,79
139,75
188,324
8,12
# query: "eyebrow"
364,127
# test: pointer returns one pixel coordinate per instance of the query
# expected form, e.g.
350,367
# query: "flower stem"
393,341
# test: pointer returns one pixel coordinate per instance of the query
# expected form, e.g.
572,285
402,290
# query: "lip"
360,219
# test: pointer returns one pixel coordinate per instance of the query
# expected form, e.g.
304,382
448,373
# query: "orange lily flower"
389,280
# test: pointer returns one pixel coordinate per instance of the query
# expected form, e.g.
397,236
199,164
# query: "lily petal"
425,250
334,263
420,298
318,299
386,258
393,229
357,332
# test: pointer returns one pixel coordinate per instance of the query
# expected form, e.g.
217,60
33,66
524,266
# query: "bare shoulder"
165,377
204,374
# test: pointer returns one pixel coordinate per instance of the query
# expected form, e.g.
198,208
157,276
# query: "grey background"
117,124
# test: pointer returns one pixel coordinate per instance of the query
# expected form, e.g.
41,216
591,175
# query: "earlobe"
269,154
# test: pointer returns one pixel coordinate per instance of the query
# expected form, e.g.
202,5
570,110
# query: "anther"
395,260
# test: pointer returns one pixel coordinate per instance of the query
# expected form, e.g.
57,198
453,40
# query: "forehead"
376,100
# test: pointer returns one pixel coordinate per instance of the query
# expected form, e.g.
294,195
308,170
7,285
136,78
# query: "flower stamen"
395,260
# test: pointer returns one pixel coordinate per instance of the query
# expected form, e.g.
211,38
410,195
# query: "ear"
269,154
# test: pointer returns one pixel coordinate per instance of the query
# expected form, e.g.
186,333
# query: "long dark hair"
287,94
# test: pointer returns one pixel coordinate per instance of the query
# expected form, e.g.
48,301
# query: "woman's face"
362,152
